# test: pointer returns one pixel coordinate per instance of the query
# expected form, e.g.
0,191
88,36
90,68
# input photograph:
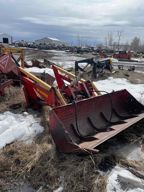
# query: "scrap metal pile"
81,118
96,67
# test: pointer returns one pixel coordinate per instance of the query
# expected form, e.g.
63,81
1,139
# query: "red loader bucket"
83,125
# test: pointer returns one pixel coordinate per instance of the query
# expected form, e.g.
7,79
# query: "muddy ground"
40,167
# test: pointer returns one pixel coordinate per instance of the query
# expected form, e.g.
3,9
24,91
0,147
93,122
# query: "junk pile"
93,67
80,118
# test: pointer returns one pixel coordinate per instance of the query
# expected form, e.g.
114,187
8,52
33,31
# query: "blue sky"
70,20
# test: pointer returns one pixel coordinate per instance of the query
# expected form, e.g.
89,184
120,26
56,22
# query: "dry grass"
130,163
100,184
13,96
41,165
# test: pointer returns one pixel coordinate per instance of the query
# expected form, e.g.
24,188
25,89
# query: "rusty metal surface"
7,65
86,124
115,129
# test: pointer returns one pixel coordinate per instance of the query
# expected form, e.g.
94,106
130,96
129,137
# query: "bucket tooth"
98,129
114,119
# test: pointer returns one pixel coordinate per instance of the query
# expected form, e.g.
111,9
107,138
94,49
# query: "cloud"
69,21
71,17
86,12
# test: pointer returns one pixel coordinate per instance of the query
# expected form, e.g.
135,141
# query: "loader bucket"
83,125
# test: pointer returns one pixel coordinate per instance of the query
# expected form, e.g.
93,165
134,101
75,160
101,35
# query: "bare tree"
119,35
135,44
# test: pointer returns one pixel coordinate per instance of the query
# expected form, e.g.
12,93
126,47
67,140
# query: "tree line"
115,43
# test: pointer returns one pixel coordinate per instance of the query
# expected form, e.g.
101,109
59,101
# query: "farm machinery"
81,116
94,67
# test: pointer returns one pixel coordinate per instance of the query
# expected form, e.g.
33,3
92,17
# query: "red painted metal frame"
36,95
7,65
68,90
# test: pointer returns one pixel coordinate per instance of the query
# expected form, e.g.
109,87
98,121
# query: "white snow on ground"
60,189
138,59
18,127
136,154
114,59
111,84
139,71
122,180
29,63
55,51
40,70
65,64
68,64
131,151
64,59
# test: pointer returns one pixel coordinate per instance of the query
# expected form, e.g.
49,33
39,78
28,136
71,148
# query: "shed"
5,38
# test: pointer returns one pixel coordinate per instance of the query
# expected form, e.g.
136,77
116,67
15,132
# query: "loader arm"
34,88
42,89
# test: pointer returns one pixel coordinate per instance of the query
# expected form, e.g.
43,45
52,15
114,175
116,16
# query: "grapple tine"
88,123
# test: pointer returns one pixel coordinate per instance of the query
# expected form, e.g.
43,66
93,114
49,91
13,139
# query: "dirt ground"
37,54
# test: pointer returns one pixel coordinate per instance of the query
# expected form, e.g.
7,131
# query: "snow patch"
136,155
54,39
114,60
130,151
18,127
29,63
60,189
121,180
40,70
111,84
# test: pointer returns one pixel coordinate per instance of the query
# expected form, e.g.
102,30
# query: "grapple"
83,125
